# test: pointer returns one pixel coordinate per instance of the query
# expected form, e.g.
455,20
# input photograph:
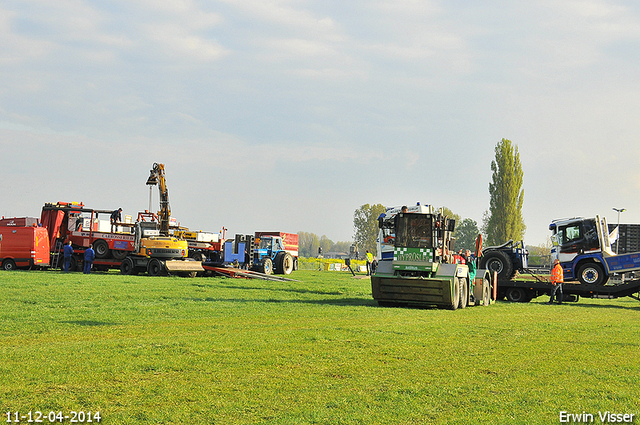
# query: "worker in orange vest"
557,279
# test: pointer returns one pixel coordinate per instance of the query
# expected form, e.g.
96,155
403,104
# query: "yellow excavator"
156,251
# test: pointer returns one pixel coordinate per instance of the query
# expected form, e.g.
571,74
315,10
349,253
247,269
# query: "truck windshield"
414,231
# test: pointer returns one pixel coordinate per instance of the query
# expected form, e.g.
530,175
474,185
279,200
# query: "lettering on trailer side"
106,236
413,254
623,262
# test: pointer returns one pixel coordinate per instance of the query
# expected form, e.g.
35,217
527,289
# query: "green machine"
417,264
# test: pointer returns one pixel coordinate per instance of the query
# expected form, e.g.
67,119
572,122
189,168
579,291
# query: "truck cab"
583,247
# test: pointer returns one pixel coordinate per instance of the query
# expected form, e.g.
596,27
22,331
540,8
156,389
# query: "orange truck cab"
23,243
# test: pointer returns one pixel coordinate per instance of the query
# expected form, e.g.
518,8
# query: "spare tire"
101,248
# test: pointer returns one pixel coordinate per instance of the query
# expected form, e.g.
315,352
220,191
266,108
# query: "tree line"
308,244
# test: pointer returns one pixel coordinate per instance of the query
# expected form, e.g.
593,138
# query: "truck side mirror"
451,225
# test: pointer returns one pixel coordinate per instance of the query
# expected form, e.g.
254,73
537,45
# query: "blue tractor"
269,256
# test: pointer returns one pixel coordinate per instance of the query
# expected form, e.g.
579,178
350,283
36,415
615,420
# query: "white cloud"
323,93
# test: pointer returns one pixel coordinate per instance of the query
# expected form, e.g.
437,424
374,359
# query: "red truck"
23,243
71,221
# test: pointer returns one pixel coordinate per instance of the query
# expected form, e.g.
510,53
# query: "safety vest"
557,276
369,257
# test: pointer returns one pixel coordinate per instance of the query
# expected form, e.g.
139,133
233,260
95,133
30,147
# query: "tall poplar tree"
504,220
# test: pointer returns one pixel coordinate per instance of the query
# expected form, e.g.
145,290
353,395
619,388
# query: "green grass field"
144,350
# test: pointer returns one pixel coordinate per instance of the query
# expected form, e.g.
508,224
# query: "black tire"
127,267
266,266
198,256
464,293
591,274
497,261
155,267
277,263
73,264
119,254
9,265
456,297
101,248
517,295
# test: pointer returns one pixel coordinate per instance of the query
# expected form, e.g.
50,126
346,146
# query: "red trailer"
23,243
289,240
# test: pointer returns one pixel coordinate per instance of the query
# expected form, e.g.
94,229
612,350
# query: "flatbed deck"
520,290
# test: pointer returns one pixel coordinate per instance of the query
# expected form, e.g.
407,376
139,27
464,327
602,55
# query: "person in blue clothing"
67,252
116,217
89,256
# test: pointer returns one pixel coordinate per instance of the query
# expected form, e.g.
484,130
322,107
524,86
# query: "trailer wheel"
591,274
155,267
101,247
9,264
517,295
497,261
464,294
127,267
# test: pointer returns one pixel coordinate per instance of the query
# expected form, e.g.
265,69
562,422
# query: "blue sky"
289,115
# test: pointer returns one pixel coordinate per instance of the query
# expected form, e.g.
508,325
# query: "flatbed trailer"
525,290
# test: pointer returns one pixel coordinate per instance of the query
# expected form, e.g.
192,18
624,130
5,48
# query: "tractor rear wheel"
286,265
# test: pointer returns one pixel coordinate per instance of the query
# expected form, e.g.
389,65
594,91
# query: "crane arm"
157,178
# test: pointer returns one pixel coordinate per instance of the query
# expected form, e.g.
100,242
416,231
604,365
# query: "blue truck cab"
583,247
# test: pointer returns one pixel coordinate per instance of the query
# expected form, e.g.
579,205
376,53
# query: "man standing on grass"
89,256
557,279
67,253
369,263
